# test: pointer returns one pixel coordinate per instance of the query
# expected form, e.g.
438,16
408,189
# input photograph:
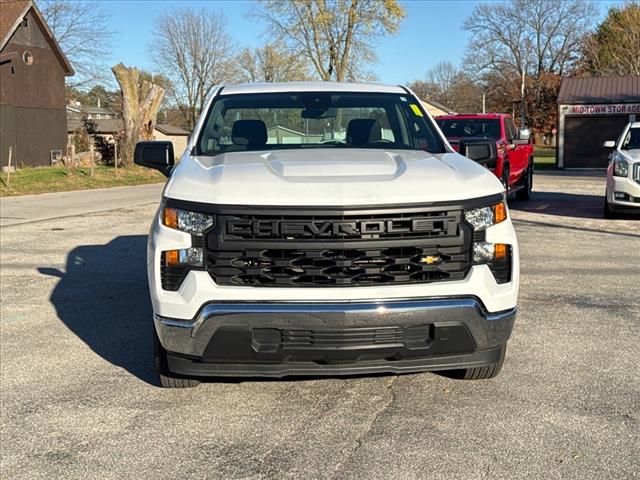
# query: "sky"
430,33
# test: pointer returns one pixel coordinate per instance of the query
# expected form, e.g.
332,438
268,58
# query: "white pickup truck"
327,229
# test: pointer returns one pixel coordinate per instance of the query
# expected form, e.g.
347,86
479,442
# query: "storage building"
590,112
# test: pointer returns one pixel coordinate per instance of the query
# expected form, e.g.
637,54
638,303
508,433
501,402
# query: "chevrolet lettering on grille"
274,228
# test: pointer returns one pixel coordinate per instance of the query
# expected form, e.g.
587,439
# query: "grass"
28,181
57,179
544,158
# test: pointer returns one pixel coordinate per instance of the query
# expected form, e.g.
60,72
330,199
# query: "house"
110,127
33,120
590,112
436,109
176,135
90,112
280,134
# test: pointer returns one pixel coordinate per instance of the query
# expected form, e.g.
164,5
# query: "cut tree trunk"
141,101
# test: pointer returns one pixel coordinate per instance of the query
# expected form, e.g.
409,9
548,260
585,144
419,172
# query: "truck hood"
631,155
329,177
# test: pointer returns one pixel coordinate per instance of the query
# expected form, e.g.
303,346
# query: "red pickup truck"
514,166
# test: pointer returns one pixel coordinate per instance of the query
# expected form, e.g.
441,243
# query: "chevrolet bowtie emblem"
430,259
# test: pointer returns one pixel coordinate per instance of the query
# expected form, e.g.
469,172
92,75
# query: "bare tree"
614,49
528,36
141,100
270,64
540,39
336,36
193,49
83,35
450,86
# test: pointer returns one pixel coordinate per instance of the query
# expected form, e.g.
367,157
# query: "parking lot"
79,398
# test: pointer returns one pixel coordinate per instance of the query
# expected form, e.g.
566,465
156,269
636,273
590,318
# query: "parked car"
622,194
382,250
514,165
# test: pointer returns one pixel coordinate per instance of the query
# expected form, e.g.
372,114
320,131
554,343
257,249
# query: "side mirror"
156,155
482,151
609,144
524,137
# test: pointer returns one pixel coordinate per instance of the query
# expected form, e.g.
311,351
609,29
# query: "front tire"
505,181
527,185
167,379
608,213
478,373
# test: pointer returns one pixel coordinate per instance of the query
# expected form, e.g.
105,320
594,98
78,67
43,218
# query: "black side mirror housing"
480,150
156,155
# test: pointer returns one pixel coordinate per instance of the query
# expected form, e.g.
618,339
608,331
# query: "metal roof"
105,126
168,129
599,90
438,105
311,87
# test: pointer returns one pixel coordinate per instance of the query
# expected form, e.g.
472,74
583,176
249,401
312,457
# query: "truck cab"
514,165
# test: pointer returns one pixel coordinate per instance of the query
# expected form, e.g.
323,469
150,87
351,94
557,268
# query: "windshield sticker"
416,110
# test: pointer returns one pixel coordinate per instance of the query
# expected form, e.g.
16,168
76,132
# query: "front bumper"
300,338
626,186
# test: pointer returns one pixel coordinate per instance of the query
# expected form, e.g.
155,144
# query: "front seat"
361,131
252,133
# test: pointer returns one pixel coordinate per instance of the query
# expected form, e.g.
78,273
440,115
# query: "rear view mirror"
313,113
609,144
156,155
480,150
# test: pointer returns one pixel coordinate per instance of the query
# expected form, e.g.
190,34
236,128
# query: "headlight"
497,256
184,220
482,218
176,264
620,168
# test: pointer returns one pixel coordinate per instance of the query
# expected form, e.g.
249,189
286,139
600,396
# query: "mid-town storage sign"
607,109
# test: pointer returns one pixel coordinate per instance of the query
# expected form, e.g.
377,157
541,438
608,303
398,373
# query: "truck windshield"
470,127
632,140
275,121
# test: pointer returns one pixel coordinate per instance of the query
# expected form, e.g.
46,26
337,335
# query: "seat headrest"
252,133
361,131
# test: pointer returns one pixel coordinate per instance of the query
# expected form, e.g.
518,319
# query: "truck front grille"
636,172
335,250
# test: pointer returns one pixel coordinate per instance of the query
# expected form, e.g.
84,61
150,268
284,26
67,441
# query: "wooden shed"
33,119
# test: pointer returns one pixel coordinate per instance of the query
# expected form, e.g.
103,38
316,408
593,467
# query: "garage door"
584,137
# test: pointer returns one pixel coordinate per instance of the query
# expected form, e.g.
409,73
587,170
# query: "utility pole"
522,106
484,105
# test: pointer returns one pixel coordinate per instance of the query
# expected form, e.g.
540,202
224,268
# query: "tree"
270,64
80,29
194,50
521,38
337,36
450,86
614,49
141,101
97,94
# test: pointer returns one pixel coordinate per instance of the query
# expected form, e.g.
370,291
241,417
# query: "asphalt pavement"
35,208
79,399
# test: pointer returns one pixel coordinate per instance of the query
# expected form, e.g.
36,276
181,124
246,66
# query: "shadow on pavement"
562,204
103,298
599,173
